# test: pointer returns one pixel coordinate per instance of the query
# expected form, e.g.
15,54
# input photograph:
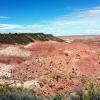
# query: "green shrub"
57,97
12,93
93,92
78,95
75,97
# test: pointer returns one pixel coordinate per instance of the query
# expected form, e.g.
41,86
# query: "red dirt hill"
54,67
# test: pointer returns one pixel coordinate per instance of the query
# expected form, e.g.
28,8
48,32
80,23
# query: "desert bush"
57,97
12,93
75,97
92,93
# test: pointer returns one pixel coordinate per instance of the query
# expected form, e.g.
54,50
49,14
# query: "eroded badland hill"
50,67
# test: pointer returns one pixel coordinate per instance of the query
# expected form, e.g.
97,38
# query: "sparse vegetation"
92,93
57,97
8,92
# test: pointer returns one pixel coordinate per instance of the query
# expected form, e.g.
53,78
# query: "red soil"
58,67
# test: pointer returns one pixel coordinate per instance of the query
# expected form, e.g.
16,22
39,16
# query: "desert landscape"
49,49
50,66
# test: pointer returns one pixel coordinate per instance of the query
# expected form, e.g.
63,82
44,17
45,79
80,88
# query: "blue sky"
58,17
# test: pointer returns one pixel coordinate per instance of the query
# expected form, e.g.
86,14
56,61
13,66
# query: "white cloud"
4,17
86,21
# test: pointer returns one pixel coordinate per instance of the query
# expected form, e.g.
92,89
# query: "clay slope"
50,67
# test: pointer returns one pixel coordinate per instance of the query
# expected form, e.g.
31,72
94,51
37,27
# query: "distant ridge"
25,38
79,37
